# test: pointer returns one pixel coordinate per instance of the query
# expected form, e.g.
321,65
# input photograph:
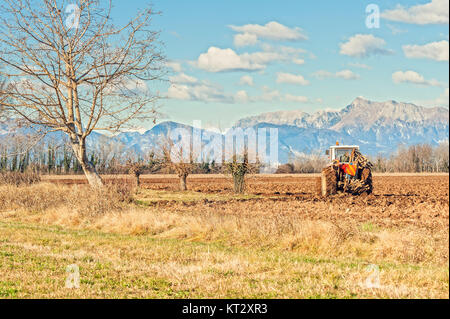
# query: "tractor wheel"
328,181
366,178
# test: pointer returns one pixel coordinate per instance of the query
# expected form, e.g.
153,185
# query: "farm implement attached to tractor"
349,171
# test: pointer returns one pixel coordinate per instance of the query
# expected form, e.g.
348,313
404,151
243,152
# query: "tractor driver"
345,158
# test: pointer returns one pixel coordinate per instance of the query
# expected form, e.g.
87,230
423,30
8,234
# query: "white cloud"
285,53
346,75
179,92
198,91
188,88
262,58
245,39
183,78
291,79
218,60
360,65
437,51
434,12
221,60
241,97
322,74
295,98
269,95
288,50
363,45
395,30
246,80
271,31
343,74
412,77
176,66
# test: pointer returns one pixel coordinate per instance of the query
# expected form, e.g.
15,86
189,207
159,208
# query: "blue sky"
231,59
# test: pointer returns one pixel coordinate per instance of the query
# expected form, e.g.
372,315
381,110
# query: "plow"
349,172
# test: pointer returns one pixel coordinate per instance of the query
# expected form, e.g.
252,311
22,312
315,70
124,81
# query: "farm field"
278,240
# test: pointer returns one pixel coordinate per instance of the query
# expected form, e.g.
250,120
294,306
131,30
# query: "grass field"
277,241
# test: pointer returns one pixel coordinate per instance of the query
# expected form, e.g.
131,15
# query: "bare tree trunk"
138,180
183,186
89,170
239,183
91,174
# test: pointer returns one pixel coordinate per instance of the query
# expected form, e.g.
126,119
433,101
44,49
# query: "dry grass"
194,245
81,200
18,178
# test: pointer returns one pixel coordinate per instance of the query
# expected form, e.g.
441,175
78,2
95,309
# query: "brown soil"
396,200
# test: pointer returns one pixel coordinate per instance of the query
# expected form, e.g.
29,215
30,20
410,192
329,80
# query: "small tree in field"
239,167
179,160
70,69
136,169
149,164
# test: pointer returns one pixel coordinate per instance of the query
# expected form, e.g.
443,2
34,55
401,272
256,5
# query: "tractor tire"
366,178
329,181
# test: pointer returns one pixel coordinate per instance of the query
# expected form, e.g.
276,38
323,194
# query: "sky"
232,59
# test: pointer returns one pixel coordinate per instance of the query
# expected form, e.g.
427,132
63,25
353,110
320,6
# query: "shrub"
80,199
19,178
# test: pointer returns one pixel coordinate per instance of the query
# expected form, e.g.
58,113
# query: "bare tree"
178,159
441,155
239,167
72,70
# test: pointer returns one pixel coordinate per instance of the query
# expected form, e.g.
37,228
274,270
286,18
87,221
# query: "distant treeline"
110,158
418,158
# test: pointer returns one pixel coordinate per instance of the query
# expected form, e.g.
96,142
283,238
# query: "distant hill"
378,127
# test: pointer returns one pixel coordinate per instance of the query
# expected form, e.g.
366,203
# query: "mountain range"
378,127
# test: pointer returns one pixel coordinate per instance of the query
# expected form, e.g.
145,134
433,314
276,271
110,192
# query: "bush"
80,199
100,201
18,178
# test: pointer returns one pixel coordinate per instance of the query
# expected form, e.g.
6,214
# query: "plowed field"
396,200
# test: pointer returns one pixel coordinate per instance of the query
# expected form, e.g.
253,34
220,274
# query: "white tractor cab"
340,153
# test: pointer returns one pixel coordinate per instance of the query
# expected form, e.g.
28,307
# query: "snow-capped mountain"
378,127
320,119
360,113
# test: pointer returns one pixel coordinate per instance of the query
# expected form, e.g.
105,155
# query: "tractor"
349,172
